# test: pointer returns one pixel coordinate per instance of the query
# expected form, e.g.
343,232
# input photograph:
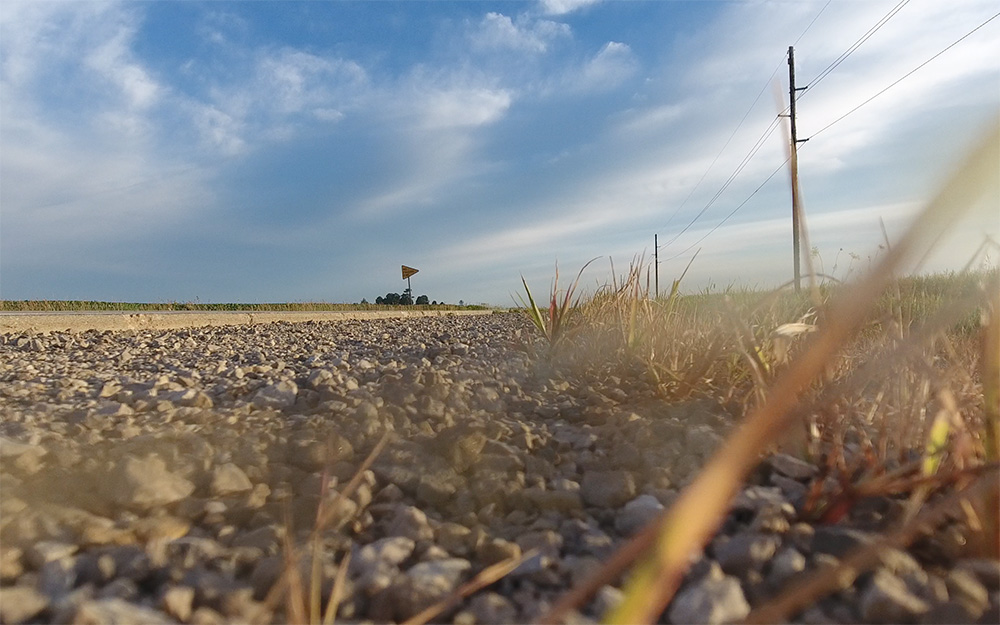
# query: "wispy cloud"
561,7
499,32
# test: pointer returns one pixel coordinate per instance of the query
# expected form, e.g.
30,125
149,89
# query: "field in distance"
91,306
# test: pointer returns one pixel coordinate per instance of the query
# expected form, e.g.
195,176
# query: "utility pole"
794,168
656,266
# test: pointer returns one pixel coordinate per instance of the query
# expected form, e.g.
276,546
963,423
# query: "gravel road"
154,476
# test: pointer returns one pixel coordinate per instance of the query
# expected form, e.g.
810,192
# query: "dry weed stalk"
300,606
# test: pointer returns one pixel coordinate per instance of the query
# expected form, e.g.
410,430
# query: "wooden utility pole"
656,267
794,168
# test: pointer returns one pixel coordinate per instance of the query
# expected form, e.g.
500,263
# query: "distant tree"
422,300
380,300
392,299
406,300
434,303
461,302
364,302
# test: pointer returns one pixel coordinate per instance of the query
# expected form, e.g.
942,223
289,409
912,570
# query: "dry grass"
890,384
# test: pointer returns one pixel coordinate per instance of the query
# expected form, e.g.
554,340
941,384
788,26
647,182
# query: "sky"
169,151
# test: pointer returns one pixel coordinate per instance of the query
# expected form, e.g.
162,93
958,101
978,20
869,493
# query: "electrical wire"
857,44
729,216
773,125
753,151
907,75
812,22
716,159
746,160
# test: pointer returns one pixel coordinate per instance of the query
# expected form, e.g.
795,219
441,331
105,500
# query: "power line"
908,74
812,22
773,173
750,155
857,44
746,160
731,213
715,160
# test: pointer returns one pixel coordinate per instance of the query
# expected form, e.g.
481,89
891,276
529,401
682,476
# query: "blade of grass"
991,377
333,604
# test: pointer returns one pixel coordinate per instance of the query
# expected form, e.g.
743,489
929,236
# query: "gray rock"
606,599
455,538
490,608
788,563
11,565
427,583
886,599
745,552
546,542
229,479
276,396
45,551
410,522
753,498
497,550
637,513
114,409
563,501
791,467
56,578
145,483
265,573
267,538
701,441
839,541
375,565
713,599
19,604
177,601
607,489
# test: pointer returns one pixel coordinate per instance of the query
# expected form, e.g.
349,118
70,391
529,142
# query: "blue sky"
303,151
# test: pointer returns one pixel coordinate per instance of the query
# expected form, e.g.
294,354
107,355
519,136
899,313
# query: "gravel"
157,475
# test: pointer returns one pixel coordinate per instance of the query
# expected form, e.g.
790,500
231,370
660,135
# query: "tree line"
395,299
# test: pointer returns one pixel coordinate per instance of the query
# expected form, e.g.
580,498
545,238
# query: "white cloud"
561,7
290,81
273,97
112,59
610,67
219,130
499,32
462,106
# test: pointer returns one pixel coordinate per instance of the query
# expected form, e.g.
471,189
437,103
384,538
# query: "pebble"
607,489
147,475
715,598
19,604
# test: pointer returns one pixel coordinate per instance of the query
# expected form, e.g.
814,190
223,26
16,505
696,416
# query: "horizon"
302,152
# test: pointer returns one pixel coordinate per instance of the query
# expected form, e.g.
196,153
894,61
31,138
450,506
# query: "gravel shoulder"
154,475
